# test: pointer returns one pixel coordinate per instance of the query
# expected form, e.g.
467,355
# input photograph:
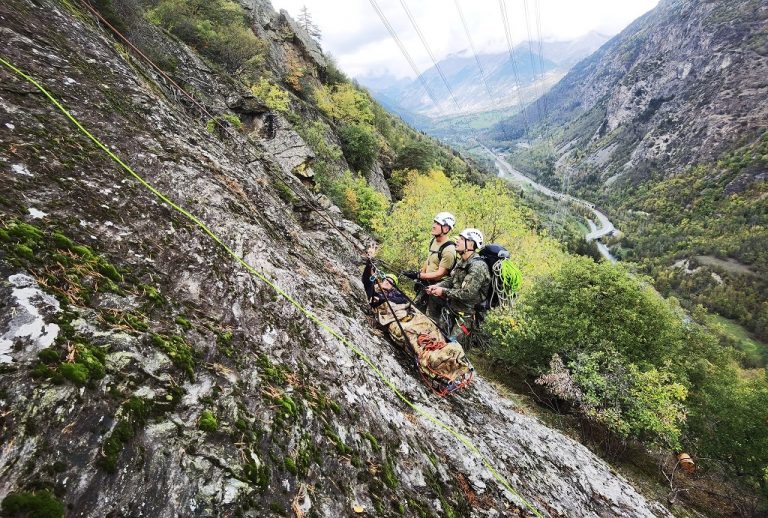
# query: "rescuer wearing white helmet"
464,288
441,258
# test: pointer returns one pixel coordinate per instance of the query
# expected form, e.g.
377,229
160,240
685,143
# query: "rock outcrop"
681,85
145,372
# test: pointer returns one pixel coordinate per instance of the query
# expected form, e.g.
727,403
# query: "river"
596,230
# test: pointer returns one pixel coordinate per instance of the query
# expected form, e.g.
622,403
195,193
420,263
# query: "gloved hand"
411,274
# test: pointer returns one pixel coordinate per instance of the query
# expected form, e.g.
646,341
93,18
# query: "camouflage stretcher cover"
447,362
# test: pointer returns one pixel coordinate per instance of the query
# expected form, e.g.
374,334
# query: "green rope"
314,318
511,277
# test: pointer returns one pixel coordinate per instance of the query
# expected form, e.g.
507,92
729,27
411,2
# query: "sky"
355,35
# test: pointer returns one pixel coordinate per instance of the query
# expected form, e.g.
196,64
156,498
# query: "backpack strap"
440,253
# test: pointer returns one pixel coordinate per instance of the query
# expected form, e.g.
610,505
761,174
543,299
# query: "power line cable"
513,63
405,53
429,51
537,11
536,84
472,46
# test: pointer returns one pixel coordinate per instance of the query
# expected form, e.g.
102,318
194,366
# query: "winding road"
605,227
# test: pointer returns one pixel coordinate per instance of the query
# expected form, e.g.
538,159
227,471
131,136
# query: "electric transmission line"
405,53
537,87
472,46
429,51
541,50
513,63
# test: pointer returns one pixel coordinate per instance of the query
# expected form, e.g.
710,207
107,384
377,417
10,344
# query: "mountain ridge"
524,72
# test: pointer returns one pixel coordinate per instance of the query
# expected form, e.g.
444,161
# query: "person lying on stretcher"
442,365
380,288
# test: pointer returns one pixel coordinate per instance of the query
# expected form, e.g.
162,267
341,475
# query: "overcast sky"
354,34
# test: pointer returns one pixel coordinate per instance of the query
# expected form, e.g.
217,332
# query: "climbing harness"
309,314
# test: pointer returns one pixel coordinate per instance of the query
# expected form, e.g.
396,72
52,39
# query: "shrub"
273,96
728,419
629,403
345,103
316,137
332,74
359,145
218,29
586,306
357,200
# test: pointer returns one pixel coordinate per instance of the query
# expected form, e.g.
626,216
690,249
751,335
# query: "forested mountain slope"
665,128
510,80
144,370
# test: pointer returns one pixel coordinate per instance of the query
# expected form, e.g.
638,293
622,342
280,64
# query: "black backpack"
491,254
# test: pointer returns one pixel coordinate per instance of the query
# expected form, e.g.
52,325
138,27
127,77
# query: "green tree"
218,29
345,103
306,23
493,209
357,200
417,154
273,96
728,419
586,306
360,146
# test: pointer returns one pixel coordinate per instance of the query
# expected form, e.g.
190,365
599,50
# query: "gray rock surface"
289,149
376,180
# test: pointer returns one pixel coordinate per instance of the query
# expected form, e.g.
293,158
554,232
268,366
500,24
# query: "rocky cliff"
681,85
146,372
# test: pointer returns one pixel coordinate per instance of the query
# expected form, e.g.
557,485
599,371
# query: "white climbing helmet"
445,218
472,234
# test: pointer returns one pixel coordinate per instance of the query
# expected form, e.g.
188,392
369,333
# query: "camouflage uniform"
464,288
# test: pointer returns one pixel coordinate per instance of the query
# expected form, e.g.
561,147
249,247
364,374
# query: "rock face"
164,379
680,86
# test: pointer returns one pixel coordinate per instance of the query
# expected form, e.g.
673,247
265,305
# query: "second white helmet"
472,234
445,218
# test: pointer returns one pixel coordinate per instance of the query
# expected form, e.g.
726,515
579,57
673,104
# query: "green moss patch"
70,271
133,415
88,364
37,504
180,352
74,372
208,422
256,474
183,322
371,439
273,373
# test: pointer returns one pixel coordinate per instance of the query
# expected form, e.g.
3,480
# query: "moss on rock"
37,504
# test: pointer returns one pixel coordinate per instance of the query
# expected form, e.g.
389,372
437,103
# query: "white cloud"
355,35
